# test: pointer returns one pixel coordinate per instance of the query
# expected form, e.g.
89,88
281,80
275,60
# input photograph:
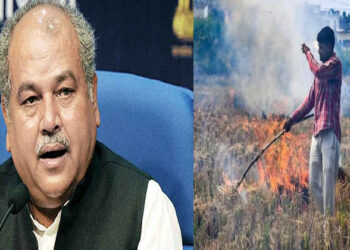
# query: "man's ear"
7,122
94,95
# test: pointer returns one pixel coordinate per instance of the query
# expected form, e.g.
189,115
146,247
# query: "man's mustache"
51,139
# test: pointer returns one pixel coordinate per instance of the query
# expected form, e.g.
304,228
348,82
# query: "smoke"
269,69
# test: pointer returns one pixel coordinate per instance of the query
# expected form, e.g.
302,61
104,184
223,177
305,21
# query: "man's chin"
53,196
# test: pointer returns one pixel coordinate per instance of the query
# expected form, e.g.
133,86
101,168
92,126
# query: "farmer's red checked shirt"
324,95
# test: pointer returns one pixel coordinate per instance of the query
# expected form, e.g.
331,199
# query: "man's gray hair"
83,30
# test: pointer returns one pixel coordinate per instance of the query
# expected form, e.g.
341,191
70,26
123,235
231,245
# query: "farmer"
324,95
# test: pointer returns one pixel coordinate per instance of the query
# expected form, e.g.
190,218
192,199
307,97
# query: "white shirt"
160,227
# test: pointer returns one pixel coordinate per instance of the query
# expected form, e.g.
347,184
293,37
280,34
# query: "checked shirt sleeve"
327,70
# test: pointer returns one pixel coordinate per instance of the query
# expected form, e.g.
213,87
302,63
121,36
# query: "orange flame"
283,168
285,164
261,173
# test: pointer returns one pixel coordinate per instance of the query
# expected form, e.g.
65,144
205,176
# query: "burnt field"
272,208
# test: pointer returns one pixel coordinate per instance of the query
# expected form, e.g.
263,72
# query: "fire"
261,173
284,166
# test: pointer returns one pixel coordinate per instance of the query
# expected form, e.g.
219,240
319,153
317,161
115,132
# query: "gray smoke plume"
270,71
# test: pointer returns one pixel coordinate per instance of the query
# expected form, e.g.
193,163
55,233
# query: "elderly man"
82,195
324,95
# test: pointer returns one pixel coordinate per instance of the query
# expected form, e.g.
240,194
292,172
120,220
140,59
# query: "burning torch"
267,146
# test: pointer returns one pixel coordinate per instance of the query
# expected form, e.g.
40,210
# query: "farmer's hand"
287,125
304,48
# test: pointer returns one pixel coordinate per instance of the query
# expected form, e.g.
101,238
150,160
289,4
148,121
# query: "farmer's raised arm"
328,70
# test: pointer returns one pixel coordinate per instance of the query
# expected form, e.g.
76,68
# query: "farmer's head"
325,40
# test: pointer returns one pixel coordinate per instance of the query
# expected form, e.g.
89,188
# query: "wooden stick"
266,147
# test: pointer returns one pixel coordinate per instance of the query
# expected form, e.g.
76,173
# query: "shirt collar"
41,229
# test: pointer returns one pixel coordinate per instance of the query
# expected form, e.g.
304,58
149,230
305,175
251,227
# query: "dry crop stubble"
272,208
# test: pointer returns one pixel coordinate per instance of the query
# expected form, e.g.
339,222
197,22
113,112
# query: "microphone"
18,199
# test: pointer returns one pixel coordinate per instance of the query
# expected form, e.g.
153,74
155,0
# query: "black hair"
326,36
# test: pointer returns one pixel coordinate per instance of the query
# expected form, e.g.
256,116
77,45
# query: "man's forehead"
43,20
40,33
43,44
46,16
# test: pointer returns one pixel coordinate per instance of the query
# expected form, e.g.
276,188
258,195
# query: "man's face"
325,51
49,96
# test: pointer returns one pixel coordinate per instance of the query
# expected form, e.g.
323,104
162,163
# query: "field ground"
273,208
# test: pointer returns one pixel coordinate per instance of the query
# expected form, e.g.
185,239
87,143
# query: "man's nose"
50,121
